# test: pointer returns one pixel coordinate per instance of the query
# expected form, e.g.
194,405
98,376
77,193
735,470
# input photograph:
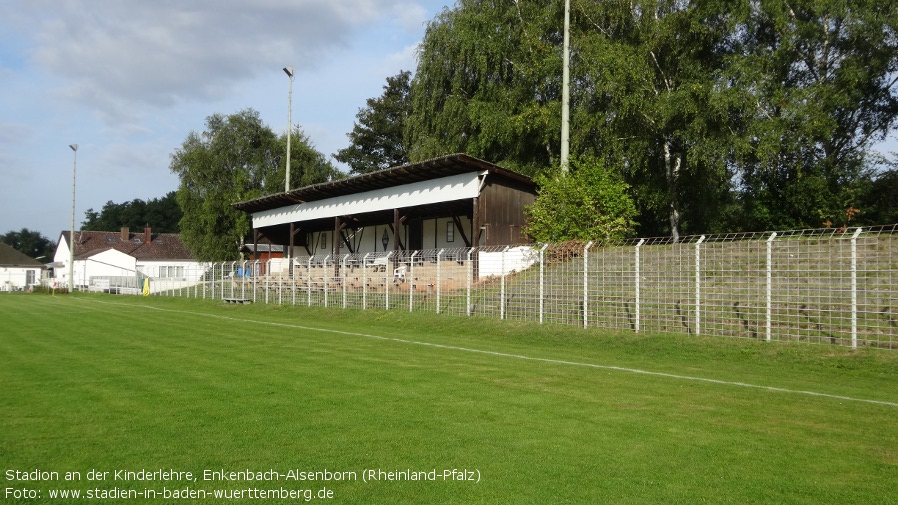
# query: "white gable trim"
445,189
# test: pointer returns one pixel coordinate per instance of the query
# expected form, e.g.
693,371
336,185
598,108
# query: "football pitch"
171,400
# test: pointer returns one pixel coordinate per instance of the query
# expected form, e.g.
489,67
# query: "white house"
120,261
17,271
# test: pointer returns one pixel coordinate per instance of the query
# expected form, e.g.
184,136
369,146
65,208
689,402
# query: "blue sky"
127,80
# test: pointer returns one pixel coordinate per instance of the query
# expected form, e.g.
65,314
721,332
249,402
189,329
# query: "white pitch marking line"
526,358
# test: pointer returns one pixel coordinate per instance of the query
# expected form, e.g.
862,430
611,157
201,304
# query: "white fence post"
586,284
410,282
233,276
343,270
309,280
439,281
388,271
293,264
243,279
256,270
280,281
769,320
698,286
365,281
636,309
542,282
267,280
469,275
502,292
854,288
325,276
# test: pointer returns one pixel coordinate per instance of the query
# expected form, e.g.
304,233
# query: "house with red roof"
112,260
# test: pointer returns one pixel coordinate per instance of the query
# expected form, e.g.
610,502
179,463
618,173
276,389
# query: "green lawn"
539,414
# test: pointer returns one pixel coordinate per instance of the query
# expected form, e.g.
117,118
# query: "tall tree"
820,81
236,158
31,243
488,83
376,140
161,214
652,68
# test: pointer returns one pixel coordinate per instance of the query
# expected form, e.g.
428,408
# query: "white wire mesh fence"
818,286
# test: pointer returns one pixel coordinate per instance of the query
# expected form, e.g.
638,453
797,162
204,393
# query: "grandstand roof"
450,165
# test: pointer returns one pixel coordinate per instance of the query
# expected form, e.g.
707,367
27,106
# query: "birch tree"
656,63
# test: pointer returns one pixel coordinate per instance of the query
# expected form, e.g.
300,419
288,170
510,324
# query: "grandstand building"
455,201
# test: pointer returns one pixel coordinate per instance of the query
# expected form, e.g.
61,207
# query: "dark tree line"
31,243
161,214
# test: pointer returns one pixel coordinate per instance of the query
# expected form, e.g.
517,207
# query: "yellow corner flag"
146,287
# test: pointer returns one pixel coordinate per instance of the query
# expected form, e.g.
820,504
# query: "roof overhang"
427,192
446,166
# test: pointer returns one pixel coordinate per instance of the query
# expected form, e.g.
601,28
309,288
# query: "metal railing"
818,286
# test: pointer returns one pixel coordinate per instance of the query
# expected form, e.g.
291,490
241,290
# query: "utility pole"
74,148
289,71
566,89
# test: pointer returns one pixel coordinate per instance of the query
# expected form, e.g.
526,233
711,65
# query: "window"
171,272
450,232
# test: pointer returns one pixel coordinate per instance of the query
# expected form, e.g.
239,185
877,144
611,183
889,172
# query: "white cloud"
120,55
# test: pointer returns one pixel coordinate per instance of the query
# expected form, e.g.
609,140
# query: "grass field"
534,414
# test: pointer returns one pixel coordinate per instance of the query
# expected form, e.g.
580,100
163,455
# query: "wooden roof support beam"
397,225
289,252
461,231
343,238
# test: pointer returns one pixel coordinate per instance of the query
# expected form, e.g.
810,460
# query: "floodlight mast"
566,89
74,148
289,71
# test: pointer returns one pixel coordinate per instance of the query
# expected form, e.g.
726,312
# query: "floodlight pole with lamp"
74,148
289,71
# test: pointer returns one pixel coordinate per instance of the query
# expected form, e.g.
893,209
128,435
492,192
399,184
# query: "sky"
128,80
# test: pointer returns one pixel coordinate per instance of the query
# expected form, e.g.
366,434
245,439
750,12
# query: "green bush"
591,202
